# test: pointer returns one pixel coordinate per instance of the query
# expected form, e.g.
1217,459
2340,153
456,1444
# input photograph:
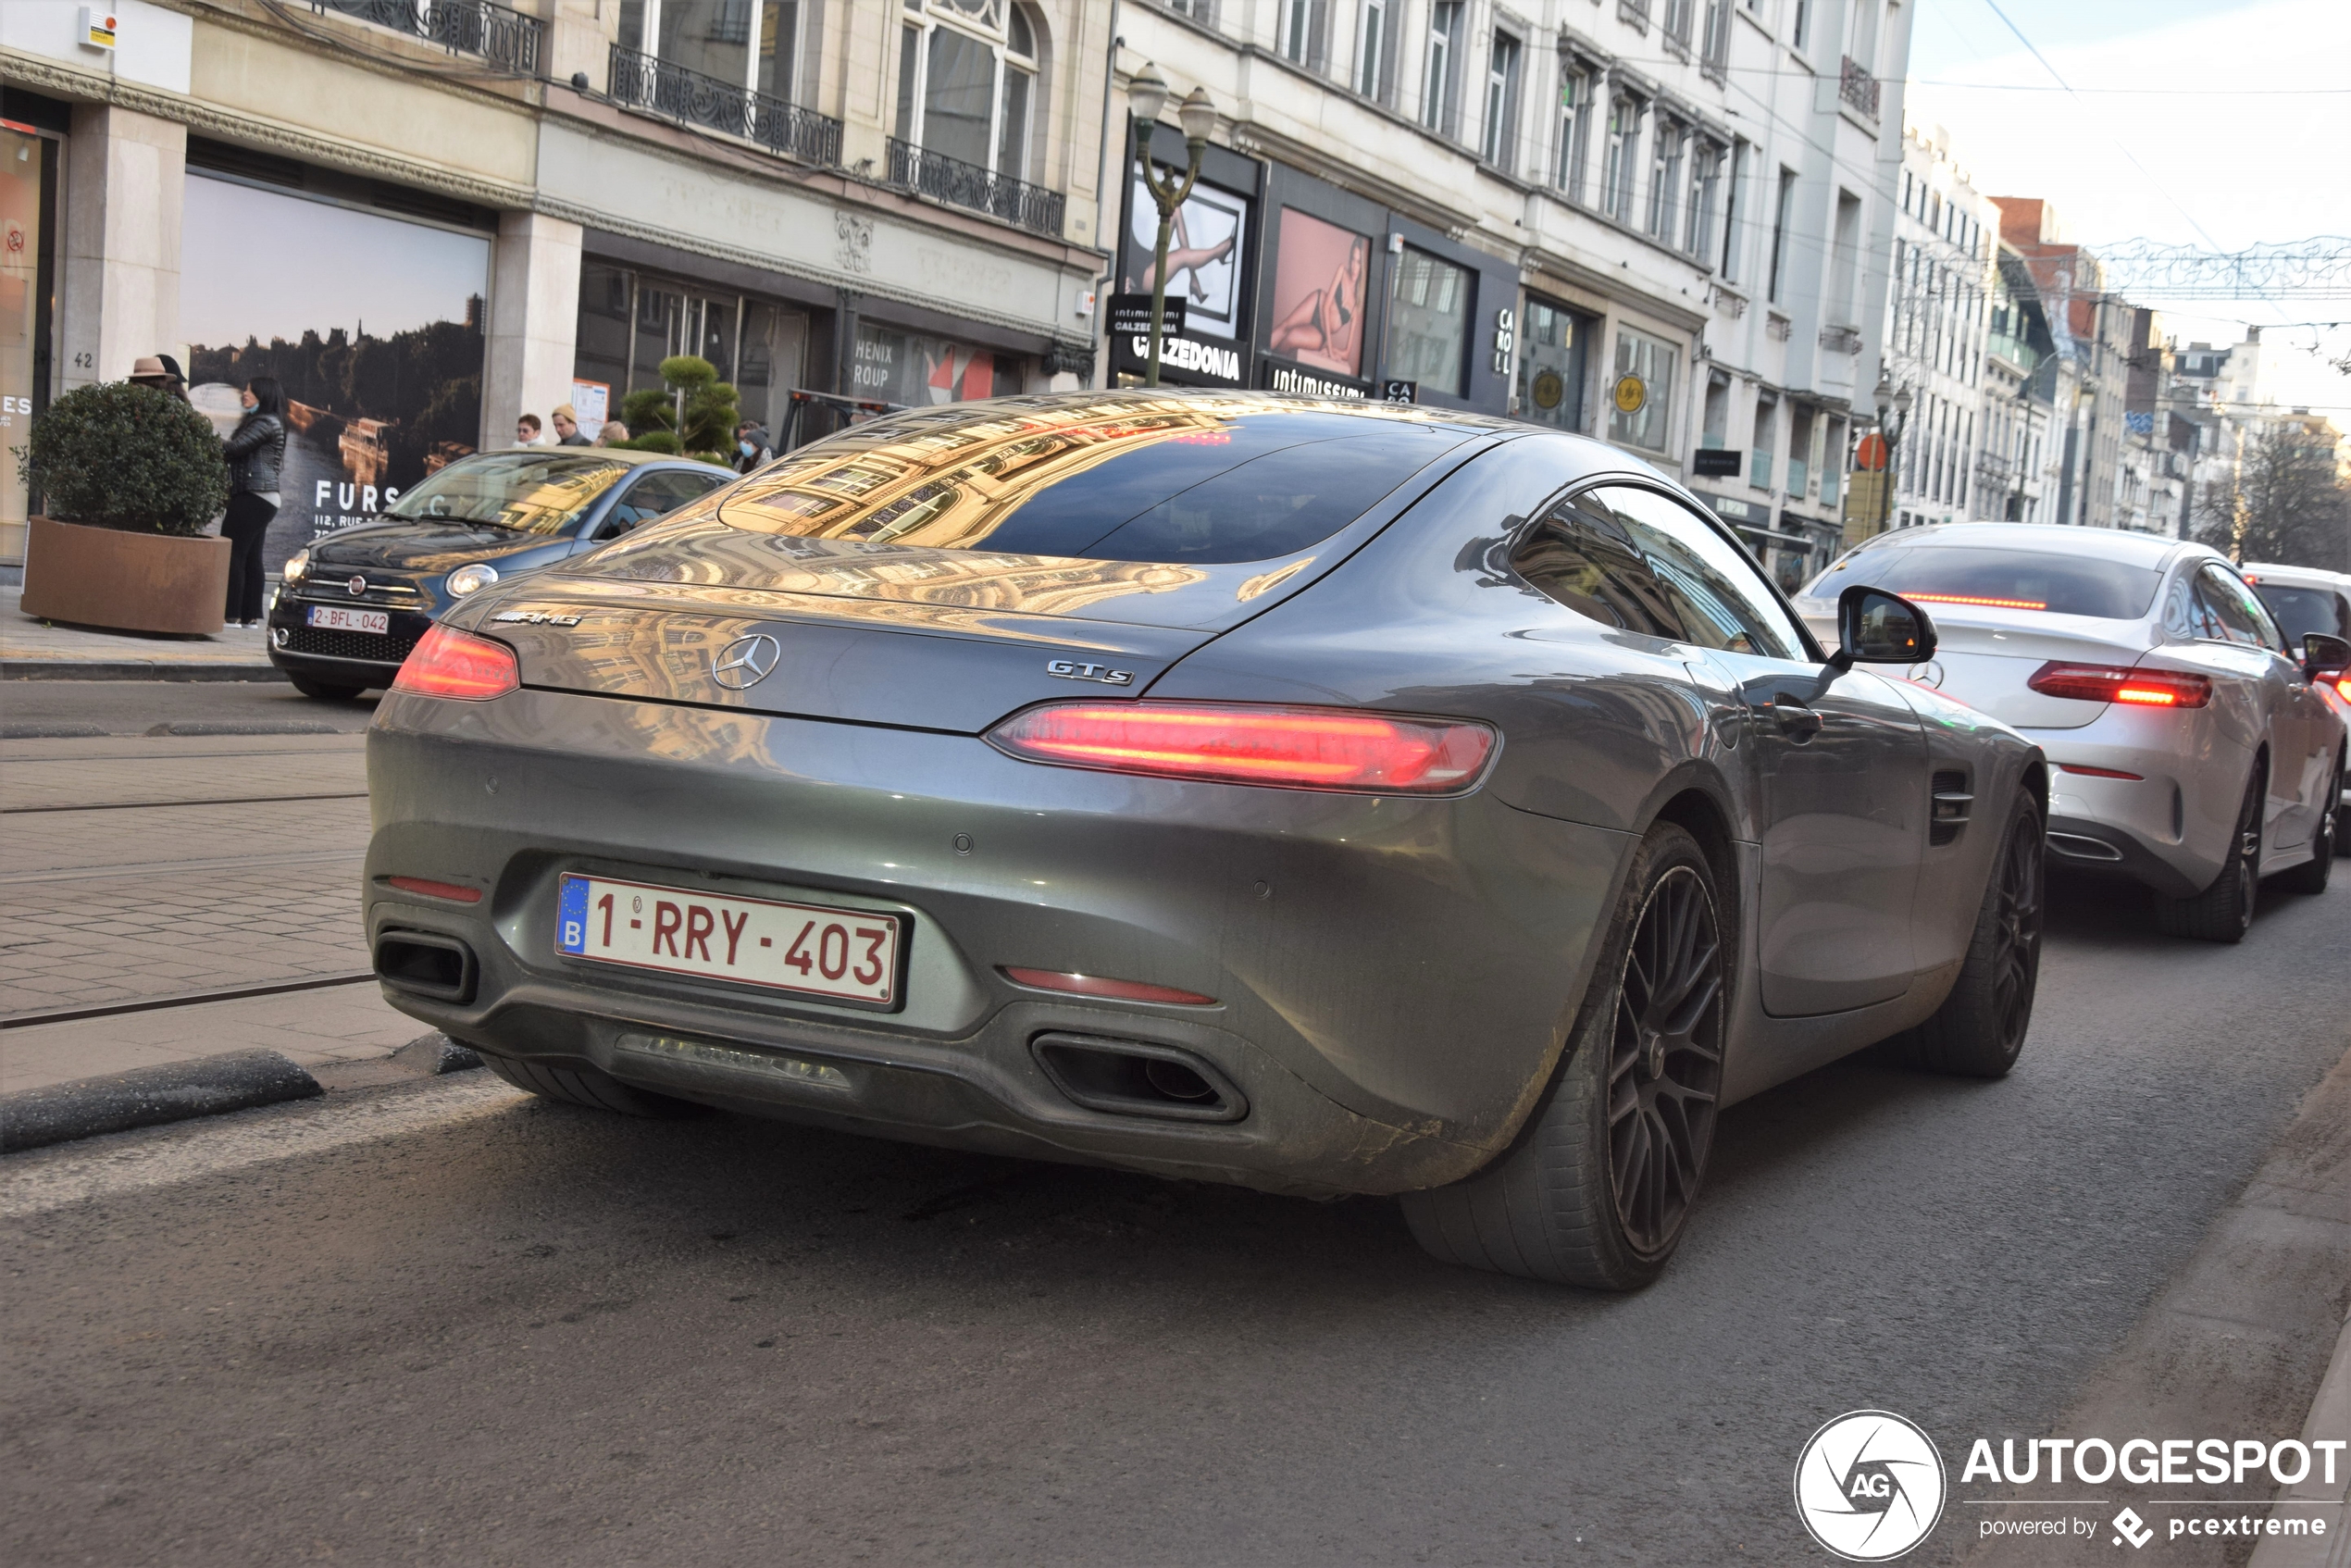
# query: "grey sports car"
1326,798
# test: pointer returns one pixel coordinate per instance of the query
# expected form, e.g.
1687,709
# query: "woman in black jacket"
256,451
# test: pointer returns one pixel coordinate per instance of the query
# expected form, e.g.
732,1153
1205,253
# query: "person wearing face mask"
752,447
256,450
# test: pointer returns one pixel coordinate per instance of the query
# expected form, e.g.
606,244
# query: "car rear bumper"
1394,978
2170,826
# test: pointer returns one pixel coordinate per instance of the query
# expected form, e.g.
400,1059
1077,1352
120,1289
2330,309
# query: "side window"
2184,611
2240,614
1719,596
654,495
1580,555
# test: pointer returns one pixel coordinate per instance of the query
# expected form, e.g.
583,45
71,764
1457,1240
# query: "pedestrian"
612,433
567,426
527,431
753,449
159,372
256,450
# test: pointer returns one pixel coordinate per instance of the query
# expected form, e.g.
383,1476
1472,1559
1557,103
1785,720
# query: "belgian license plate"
334,617
849,954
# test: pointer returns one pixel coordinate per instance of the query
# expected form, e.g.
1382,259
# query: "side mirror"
2321,654
1877,628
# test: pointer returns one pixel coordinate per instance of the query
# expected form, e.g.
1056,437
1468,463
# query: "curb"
134,669
435,1054
147,1096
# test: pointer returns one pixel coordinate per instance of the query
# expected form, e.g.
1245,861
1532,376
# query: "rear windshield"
530,492
2001,579
2301,611
1174,479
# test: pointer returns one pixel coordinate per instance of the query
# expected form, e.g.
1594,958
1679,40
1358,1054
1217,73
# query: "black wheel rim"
1665,1060
2019,936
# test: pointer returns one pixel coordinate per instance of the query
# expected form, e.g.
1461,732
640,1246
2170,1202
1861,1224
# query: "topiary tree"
711,412
121,456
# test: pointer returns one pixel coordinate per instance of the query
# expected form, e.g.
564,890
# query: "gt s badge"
1069,669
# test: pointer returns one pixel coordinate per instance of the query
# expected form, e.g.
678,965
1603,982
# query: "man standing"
527,431
567,426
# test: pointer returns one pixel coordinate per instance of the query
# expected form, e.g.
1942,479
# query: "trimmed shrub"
121,456
711,413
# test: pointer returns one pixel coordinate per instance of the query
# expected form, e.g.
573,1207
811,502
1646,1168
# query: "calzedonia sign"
1194,359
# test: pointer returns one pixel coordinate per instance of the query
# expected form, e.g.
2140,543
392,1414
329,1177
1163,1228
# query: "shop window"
917,370
630,322
966,82
752,43
1651,361
1428,330
1553,348
1319,273
27,189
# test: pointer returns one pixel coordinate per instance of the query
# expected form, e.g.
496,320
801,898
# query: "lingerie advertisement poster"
1207,262
371,325
1320,276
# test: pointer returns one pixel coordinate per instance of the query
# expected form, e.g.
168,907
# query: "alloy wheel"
1665,1060
2019,936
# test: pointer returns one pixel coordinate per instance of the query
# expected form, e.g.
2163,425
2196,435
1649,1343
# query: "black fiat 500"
356,602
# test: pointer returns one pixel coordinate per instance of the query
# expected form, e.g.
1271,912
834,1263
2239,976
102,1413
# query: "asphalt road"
41,709
450,1324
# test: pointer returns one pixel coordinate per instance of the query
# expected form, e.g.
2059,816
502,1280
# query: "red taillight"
2089,772
448,663
453,891
2342,685
1291,747
2114,683
1095,985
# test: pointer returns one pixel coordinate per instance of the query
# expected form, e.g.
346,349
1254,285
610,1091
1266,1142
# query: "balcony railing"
643,83
968,185
503,37
1857,87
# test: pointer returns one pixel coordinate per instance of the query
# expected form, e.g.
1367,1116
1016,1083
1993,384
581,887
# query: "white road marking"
42,1179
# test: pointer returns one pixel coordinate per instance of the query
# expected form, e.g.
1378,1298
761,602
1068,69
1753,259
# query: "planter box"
125,581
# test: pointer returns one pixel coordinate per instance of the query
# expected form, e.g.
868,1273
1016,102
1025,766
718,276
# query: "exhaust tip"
427,964
1132,1078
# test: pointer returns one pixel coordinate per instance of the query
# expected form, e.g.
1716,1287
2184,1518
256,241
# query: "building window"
1650,359
1567,167
1444,65
752,43
1501,103
1767,435
1706,179
1844,302
1300,28
1624,140
1780,216
1428,333
1732,269
1715,429
1714,44
1375,46
1201,11
967,79
1801,34
1666,145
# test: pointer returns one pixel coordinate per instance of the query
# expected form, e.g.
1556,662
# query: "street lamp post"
1893,414
1147,93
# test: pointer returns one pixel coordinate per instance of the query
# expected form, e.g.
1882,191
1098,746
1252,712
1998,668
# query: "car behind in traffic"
352,605
2304,600
2192,751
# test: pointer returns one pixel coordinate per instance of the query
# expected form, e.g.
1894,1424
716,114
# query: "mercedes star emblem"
745,662
357,585
1928,674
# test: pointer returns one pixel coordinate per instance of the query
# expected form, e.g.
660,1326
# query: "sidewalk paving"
31,648
313,1028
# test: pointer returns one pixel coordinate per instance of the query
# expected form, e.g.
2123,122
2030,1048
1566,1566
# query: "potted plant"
128,476
707,403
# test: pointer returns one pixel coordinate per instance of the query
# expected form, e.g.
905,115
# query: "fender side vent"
1950,806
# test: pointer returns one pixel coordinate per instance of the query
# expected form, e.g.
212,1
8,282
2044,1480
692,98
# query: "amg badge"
536,617
1070,670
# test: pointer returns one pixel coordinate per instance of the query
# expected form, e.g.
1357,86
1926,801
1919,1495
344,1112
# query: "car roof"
2306,576
2053,539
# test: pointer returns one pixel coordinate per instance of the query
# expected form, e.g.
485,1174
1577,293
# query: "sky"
2216,123
256,264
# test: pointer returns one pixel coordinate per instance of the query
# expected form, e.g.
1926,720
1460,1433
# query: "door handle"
1797,721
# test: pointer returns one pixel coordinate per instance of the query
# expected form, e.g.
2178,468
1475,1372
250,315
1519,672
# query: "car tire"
1557,1205
1981,1026
589,1087
2223,911
324,691
2310,876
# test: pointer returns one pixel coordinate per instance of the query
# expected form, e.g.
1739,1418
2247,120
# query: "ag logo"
1869,1485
